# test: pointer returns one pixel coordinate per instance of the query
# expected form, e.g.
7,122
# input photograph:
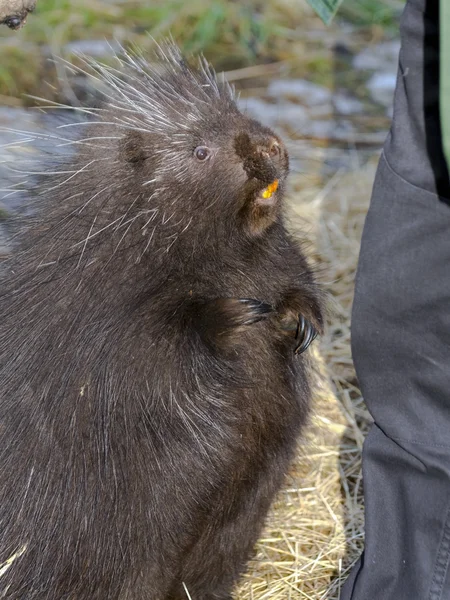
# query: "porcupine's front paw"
300,328
298,319
218,321
246,311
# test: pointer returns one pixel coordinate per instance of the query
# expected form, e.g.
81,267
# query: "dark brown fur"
150,399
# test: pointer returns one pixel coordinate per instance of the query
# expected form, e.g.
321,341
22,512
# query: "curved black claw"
257,310
305,335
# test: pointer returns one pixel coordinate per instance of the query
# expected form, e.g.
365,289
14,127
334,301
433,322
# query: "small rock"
10,116
318,129
94,48
381,87
320,111
301,90
341,50
346,105
281,113
328,129
381,57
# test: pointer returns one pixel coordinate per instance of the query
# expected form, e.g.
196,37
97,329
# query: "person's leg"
401,339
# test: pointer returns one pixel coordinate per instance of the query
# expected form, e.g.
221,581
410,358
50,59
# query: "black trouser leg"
401,339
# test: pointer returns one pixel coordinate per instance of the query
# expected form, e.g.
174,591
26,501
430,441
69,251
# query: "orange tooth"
270,189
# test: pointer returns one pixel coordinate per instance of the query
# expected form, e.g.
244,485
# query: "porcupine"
150,393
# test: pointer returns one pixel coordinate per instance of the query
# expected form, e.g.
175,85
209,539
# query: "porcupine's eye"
202,153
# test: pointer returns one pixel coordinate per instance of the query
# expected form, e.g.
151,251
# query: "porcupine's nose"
262,158
265,165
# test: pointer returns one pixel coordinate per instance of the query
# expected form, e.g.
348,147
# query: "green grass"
196,25
381,13
231,33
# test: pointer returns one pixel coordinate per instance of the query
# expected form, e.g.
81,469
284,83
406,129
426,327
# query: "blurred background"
328,92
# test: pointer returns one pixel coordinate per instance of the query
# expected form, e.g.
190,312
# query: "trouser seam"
442,562
418,188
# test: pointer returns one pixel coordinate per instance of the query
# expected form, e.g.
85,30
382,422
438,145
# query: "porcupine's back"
114,398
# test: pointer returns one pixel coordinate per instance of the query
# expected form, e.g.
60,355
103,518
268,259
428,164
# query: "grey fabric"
401,339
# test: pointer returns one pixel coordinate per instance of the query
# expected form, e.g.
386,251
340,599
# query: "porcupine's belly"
272,412
261,459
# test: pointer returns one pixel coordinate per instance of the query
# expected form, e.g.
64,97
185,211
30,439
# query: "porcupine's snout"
264,157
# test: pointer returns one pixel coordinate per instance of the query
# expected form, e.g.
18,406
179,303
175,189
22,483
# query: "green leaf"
326,9
444,35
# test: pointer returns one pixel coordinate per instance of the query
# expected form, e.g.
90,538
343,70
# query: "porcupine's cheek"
234,183
261,206
239,174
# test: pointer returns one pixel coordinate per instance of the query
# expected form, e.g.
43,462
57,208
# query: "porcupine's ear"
132,147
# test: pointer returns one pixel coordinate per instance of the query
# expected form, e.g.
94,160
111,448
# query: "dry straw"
315,531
